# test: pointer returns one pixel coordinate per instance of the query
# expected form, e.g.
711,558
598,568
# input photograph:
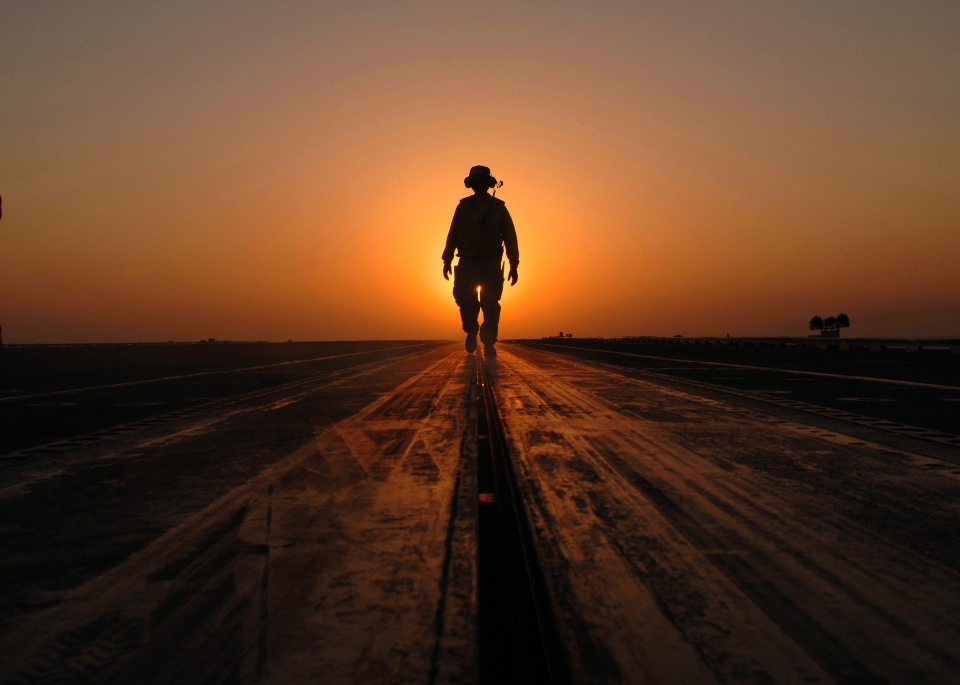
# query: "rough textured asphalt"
320,526
50,392
921,390
78,507
692,536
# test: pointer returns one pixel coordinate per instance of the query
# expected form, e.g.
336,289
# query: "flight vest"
479,230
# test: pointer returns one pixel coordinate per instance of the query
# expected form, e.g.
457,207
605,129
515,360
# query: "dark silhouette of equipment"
830,327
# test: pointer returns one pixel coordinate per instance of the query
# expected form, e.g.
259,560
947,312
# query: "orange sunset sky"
184,170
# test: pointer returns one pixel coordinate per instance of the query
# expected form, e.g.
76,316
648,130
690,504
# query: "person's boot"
471,342
489,351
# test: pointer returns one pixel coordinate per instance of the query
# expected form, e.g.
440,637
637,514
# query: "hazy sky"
289,169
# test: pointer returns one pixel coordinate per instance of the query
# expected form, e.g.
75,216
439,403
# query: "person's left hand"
513,276
446,271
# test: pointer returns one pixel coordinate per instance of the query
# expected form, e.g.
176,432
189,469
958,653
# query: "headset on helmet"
480,174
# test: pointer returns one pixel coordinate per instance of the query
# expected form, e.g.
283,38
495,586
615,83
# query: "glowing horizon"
289,171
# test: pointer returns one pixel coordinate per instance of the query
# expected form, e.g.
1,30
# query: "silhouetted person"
480,230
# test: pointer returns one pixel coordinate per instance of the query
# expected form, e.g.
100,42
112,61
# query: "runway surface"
695,540
920,390
322,527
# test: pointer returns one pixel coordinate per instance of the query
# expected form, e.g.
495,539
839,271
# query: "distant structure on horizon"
561,335
830,328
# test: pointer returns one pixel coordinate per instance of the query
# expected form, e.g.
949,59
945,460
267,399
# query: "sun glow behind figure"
674,167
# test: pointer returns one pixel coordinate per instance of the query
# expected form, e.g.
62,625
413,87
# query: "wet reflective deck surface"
325,529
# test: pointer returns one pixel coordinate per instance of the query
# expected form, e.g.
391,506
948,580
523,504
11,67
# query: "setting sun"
267,173
480,343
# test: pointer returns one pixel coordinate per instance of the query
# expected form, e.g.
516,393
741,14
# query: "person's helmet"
480,177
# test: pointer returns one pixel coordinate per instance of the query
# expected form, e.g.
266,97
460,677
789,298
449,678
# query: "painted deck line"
11,398
870,379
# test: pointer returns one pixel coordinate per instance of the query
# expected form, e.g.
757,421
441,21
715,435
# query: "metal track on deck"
519,642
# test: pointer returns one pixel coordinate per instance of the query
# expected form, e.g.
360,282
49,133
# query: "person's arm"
451,245
509,232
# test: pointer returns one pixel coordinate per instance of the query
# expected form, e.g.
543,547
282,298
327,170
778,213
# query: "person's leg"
491,288
465,283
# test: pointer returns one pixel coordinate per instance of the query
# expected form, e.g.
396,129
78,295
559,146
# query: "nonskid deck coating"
326,567
691,541
683,540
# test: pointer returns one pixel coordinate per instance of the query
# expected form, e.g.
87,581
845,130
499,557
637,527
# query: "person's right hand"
446,271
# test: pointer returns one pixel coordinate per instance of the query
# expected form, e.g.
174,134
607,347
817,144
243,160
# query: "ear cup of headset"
491,181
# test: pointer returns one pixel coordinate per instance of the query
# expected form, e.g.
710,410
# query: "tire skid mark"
699,617
263,639
782,558
236,592
822,646
219,372
203,423
671,449
105,434
745,420
177,566
658,380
